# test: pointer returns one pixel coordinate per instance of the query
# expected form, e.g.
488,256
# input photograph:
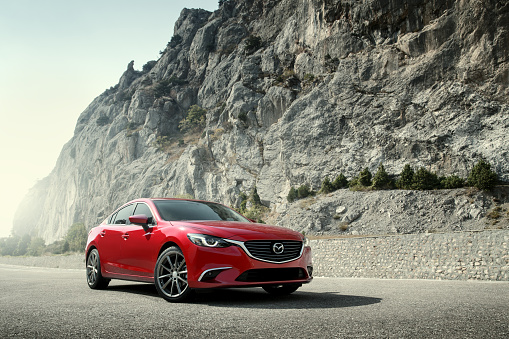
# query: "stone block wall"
463,256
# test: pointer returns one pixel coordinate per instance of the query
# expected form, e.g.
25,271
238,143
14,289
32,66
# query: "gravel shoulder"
65,261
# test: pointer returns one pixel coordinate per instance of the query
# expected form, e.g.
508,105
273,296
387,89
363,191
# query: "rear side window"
112,218
122,217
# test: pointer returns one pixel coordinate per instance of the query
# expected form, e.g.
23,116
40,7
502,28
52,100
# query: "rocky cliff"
295,90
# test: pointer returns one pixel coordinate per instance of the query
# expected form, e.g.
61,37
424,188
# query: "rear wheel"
171,275
95,280
282,289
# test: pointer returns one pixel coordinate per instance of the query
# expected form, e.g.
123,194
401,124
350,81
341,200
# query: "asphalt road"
57,303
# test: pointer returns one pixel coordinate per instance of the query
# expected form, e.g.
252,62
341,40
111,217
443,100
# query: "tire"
95,280
283,289
170,275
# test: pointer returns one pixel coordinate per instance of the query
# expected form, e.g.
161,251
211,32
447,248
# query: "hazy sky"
56,56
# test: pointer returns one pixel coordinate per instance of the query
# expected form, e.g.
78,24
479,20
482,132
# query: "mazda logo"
278,248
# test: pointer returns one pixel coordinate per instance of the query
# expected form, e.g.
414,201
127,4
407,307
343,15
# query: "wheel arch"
169,243
90,250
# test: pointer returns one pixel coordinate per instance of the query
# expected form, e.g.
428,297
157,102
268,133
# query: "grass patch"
307,203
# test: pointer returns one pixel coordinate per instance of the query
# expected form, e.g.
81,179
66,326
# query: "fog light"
211,274
310,271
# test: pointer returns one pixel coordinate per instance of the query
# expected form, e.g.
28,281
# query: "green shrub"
364,178
327,186
176,81
425,180
303,192
36,247
77,237
255,198
481,176
354,182
162,88
65,246
256,213
452,181
308,77
381,180
292,195
253,43
406,178
56,247
8,246
195,119
162,143
243,203
340,182
257,210
148,66
243,117
175,40
23,244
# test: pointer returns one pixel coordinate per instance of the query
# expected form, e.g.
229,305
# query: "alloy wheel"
171,275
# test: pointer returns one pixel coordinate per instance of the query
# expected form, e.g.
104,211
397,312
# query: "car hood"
242,231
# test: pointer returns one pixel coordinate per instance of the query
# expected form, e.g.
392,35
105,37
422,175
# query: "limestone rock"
332,87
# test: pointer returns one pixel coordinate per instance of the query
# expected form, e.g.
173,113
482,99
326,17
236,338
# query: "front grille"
265,250
272,274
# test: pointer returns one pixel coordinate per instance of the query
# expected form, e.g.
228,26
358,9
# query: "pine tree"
381,179
406,178
255,198
425,180
340,182
365,177
482,176
292,195
327,186
303,192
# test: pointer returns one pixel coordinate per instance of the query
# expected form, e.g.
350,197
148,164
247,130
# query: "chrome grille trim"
259,246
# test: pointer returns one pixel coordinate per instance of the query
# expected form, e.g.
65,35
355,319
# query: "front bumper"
233,267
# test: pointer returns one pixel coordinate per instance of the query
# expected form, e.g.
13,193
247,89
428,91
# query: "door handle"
102,234
125,236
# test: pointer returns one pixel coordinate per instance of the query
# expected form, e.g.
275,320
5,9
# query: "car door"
110,241
139,250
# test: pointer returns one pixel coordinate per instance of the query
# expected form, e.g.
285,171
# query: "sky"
56,56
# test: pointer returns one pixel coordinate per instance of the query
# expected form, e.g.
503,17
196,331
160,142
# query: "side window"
144,209
122,216
112,218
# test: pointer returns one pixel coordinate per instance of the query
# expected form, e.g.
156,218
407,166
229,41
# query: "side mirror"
141,220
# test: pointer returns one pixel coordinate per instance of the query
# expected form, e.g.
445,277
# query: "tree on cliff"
482,176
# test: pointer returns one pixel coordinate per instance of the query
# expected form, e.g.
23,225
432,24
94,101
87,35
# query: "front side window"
142,208
122,217
174,210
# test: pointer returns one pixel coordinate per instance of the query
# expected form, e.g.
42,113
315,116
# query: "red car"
182,245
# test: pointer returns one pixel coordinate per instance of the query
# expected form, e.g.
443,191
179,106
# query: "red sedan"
182,245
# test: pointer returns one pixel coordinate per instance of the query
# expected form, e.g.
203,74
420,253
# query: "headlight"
207,240
305,241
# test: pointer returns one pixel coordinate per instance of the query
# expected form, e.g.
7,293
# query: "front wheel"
170,275
95,280
282,289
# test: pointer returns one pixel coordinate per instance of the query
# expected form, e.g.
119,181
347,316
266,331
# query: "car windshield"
174,210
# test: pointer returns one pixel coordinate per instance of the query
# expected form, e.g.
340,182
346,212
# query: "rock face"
295,90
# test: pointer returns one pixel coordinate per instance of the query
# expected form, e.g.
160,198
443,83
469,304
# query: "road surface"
57,303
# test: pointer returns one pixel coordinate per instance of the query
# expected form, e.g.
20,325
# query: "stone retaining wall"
463,256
